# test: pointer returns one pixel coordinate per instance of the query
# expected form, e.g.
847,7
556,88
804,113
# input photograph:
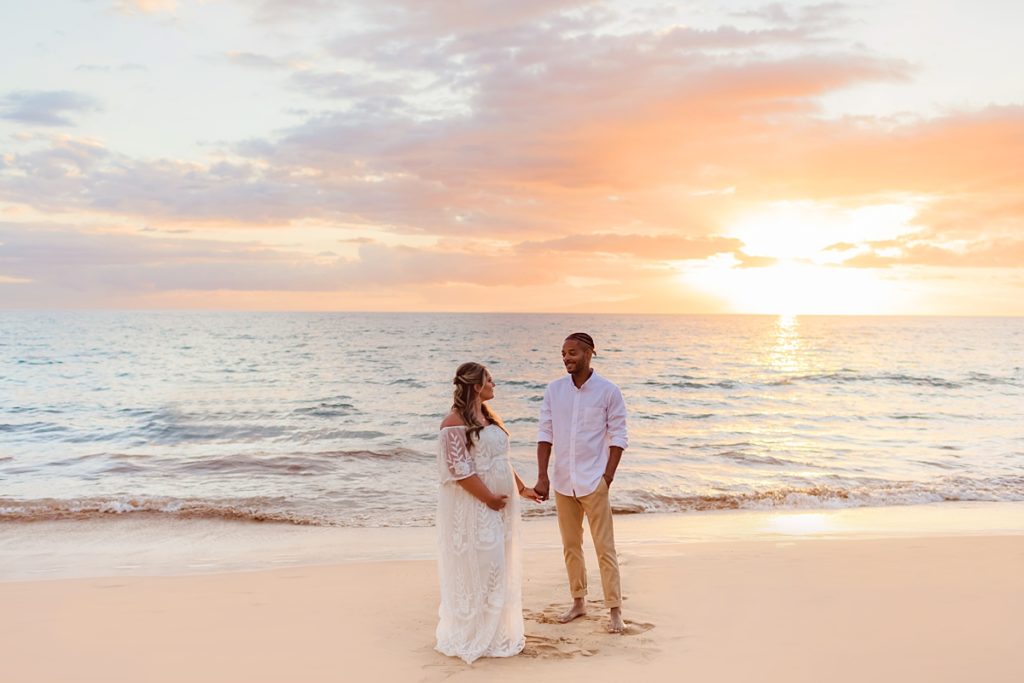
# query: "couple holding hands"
583,425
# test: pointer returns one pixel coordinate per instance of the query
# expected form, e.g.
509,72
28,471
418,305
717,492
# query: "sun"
804,275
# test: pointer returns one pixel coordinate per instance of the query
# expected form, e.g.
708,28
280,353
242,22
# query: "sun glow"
806,230
805,275
795,288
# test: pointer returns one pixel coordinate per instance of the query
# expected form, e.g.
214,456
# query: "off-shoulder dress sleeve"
454,459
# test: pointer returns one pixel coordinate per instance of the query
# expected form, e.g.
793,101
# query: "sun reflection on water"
786,353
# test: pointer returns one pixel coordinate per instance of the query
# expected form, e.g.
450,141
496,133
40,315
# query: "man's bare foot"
578,609
615,624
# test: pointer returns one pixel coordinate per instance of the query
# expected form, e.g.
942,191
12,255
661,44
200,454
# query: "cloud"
747,261
45,107
731,37
520,137
146,6
85,175
527,161
58,265
255,60
480,131
959,154
278,11
1008,253
819,15
419,17
963,214
106,68
352,86
65,258
650,247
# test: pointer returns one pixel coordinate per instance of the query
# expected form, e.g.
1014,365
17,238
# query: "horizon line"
448,312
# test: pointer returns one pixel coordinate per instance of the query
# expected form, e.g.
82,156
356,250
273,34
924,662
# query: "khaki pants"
598,510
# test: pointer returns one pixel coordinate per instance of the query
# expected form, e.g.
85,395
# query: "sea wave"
887,377
289,463
297,463
875,494
327,409
279,509
16,410
84,509
755,458
842,376
529,384
31,428
687,384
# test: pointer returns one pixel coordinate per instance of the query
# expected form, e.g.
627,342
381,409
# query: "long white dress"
479,561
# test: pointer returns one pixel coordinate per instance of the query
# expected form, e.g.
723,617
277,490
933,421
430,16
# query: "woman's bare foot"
578,609
615,624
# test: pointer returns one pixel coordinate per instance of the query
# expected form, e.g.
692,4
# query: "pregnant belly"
499,478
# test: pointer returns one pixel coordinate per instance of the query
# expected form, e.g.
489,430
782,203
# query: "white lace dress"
479,562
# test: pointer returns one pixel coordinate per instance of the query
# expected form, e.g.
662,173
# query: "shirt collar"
590,380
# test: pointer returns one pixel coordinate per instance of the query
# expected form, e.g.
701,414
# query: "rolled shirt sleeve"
618,433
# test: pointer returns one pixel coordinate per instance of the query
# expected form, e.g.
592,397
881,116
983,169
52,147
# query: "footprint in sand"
542,647
551,613
635,628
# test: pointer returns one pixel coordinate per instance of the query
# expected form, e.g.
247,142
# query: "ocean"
332,418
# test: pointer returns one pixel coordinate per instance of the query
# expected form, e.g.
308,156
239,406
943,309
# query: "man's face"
575,355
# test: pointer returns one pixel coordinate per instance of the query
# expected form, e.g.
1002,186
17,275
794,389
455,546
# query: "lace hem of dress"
507,649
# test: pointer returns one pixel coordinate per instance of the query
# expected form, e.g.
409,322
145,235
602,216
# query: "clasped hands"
538,493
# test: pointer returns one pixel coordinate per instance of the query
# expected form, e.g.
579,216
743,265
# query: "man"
583,420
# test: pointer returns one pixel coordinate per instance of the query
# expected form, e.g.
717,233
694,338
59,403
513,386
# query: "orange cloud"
998,254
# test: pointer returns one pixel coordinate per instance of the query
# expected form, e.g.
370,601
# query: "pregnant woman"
479,563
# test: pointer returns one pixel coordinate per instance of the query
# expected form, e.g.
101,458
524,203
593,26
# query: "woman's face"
486,389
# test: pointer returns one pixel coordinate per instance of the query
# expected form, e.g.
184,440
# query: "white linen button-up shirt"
581,424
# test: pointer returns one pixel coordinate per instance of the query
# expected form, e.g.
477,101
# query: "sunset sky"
663,157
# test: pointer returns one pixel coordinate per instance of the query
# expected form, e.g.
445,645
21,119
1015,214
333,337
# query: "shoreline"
137,544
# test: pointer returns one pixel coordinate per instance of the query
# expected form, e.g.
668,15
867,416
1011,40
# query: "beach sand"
794,597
